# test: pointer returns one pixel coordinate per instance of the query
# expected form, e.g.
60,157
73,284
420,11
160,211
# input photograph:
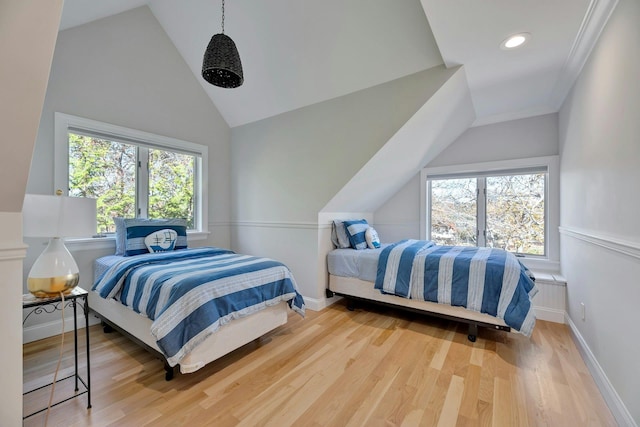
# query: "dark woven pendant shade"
221,65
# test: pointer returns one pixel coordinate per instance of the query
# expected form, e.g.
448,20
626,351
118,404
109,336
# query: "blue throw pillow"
356,232
138,229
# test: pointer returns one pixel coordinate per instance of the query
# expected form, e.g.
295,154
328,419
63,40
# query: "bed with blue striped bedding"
190,293
486,280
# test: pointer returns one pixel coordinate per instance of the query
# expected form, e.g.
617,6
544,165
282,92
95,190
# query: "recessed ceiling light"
515,40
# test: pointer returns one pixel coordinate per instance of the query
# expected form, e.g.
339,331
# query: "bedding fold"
189,294
486,280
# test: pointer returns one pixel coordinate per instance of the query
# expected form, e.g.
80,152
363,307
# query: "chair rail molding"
280,224
612,243
12,251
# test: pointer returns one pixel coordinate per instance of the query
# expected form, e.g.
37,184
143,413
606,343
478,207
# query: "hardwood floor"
370,367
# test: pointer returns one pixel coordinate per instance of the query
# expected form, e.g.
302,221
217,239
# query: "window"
454,206
494,205
130,173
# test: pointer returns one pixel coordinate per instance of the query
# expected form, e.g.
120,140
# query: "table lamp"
56,217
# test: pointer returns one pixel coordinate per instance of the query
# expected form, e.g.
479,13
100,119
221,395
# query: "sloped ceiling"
522,82
444,116
297,53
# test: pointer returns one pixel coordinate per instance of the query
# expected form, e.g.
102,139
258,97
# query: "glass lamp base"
46,287
54,271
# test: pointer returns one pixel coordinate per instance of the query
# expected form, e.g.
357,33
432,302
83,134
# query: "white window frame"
550,261
66,122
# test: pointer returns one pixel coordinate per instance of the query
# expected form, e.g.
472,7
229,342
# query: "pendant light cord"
55,376
222,16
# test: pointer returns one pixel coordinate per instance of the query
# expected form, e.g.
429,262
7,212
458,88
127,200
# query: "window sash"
65,124
490,173
139,142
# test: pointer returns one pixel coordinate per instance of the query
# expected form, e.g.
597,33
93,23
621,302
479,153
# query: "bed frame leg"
473,332
169,371
328,293
106,328
351,304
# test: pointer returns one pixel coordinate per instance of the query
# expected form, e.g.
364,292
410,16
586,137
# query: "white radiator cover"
550,302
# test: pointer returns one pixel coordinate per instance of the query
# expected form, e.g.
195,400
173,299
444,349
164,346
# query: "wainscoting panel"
550,301
602,296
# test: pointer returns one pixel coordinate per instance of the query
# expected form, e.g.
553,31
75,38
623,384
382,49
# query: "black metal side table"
49,305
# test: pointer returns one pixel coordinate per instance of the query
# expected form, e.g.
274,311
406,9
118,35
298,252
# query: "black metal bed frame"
108,326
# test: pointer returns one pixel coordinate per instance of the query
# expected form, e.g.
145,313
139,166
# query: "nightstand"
77,296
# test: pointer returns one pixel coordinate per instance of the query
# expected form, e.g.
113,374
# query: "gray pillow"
339,235
121,235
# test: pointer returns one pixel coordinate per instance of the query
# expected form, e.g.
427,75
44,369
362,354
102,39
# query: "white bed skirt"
229,337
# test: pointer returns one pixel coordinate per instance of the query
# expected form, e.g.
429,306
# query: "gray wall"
600,241
399,218
286,168
124,70
515,139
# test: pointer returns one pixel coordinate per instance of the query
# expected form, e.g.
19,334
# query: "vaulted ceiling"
297,53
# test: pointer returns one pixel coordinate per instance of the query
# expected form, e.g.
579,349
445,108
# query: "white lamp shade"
58,216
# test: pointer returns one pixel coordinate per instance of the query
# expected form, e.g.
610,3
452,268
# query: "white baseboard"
549,314
616,405
318,304
53,328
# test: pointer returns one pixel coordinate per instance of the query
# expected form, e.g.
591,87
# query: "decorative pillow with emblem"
138,229
161,240
371,236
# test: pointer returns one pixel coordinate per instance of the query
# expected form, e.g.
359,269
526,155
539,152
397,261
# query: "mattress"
353,272
227,338
102,264
359,264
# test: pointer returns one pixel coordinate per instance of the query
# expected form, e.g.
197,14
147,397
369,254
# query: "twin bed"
192,305
479,286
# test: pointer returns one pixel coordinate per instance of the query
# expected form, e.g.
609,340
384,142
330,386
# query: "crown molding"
593,23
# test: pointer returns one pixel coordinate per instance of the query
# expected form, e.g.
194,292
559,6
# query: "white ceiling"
297,53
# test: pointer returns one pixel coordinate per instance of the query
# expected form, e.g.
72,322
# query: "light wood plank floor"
370,367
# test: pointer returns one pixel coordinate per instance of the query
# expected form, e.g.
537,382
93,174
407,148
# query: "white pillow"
161,241
371,236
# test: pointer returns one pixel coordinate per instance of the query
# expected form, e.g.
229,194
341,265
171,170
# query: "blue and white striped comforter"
485,280
189,294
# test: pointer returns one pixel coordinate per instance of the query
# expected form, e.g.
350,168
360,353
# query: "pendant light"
221,65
